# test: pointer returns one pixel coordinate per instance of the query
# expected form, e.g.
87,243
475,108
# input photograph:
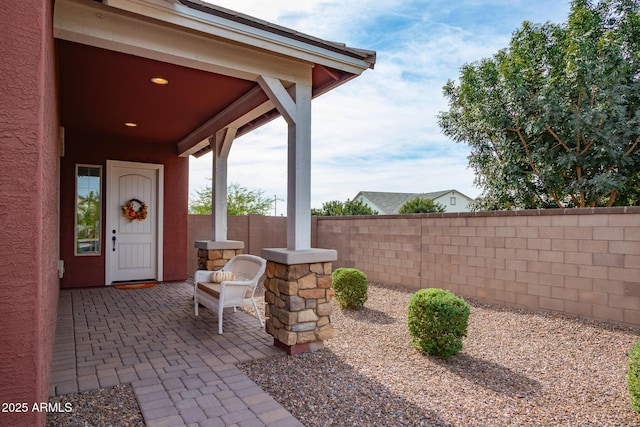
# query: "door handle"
113,239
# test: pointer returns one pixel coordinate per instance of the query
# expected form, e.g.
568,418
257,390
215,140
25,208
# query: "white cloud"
379,132
271,10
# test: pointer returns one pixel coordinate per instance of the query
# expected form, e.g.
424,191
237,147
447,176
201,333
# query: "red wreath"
132,213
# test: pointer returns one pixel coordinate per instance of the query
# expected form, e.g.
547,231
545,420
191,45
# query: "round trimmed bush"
350,286
633,376
437,321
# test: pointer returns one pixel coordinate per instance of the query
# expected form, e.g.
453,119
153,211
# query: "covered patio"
181,370
105,103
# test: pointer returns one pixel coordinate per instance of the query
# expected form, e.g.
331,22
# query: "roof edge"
368,56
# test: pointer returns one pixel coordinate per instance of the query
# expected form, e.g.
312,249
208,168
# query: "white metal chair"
248,272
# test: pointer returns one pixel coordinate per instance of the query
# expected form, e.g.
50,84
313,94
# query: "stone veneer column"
298,297
215,255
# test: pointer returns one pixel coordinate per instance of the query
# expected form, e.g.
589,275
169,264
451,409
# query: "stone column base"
298,298
215,255
299,348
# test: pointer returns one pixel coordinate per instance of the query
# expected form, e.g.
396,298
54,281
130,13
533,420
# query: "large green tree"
554,119
240,201
337,208
420,205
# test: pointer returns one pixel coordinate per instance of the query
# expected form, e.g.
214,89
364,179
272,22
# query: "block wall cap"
307,256
225,244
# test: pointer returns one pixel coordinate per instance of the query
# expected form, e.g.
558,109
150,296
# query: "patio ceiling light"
160,80
131,124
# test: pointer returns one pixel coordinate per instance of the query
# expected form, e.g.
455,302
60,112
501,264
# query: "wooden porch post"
294,104
222,144
214,254
298,279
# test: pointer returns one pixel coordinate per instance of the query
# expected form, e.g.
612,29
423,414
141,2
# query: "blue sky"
379,132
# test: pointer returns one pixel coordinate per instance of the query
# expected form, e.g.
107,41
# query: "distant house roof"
390,203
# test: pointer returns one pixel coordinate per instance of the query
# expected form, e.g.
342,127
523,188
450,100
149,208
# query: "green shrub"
350,286
633,376
437,321
420,205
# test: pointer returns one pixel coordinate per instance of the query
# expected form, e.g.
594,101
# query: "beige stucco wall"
461,202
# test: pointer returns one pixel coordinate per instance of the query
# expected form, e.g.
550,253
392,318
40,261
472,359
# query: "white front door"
134,244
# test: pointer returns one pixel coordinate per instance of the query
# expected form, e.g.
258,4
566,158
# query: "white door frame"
160,214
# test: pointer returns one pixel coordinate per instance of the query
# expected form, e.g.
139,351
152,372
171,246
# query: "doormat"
134,285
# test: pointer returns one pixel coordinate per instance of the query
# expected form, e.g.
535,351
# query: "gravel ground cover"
516,369
104,407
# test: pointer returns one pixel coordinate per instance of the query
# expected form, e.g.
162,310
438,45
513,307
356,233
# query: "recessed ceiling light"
131,124
160,81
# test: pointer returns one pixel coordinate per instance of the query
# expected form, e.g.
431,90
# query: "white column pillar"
222,144
299,172
295,106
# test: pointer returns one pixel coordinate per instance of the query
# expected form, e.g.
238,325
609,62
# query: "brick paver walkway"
183,373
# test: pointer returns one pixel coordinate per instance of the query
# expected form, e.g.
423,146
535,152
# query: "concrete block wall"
256,231
582,262
386,247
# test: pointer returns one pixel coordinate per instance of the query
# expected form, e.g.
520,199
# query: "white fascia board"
230,117
194,148
94,24
176,13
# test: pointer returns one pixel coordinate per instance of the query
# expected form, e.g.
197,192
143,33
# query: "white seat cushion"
213,289
210,288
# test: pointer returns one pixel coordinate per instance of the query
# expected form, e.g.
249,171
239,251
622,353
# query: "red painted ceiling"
101,90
